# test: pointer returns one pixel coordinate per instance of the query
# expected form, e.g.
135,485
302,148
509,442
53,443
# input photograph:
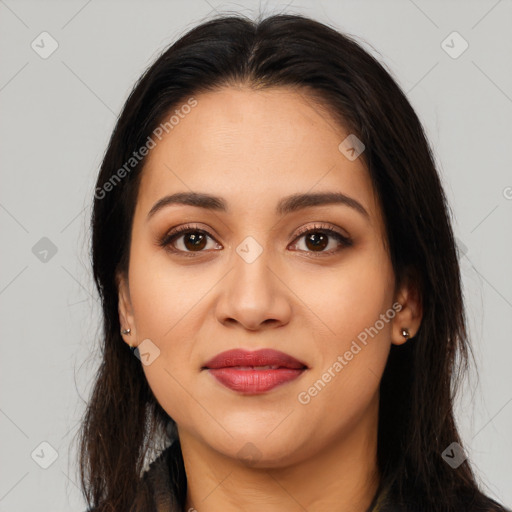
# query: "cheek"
348,301
166,317
164,295
165,303
352,338
345,380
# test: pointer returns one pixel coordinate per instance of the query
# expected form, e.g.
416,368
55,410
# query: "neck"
343,476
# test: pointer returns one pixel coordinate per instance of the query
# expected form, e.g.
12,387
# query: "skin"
253,148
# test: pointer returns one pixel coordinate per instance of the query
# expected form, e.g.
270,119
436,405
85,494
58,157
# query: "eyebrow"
285,206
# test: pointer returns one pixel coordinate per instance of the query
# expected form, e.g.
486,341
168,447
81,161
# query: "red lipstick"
254,372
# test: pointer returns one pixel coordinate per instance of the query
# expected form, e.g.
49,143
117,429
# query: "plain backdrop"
57,114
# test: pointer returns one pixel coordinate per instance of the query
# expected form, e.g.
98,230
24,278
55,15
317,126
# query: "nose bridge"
252,273
253,293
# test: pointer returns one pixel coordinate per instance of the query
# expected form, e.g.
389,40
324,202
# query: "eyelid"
319,226
331,230
174,233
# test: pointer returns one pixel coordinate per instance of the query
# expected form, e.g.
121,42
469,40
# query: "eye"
187,240
316,239
192,240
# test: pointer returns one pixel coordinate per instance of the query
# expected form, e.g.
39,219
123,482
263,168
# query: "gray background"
57,116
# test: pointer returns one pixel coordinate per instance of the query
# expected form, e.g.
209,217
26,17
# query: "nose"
253,296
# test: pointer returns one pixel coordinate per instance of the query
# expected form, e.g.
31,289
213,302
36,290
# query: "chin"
259,449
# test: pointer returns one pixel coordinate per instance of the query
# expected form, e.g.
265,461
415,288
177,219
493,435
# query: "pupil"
318,240
197,241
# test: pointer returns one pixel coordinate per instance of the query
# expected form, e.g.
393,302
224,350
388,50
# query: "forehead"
253,147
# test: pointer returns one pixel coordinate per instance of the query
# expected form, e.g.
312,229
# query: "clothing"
156,491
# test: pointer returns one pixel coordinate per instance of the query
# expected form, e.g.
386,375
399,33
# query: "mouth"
267,367
264,359
254,372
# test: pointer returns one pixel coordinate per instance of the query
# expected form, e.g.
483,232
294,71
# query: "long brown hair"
124,426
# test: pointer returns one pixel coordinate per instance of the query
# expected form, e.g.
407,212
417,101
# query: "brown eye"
194,241
186,239
189,240
317,241
318,238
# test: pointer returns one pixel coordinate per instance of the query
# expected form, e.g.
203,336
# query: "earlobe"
407,320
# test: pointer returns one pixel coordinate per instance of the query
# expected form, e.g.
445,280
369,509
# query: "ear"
126,318
410,313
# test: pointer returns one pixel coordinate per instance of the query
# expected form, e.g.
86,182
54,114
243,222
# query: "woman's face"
246,277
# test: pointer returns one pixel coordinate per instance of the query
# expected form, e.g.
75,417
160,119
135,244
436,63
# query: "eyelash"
167,240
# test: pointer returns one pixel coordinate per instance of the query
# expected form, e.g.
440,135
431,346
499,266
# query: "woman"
280,286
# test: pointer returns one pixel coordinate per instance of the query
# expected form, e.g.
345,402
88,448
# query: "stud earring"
126,331
405,333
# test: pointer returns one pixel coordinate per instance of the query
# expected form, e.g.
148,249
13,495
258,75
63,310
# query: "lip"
263,357
235,369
